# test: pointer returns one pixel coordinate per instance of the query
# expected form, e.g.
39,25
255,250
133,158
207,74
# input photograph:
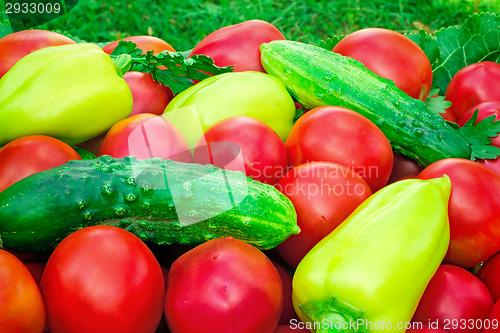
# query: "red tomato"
336,134
263,154
490,275
456,299
291,329
149,96
492,164
103,279
15,46
36,270
492,323
144,136
425,328
473,210
145,43
25,156
288,312
21,304
323,194
403,168
485,109
223,285
238,44
392,56
472,85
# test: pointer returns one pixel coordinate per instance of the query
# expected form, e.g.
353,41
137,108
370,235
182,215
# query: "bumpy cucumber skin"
37,212
317,77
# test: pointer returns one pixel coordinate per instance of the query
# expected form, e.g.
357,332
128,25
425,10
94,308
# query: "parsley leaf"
172,69
479,136
436,104
5,29
329,43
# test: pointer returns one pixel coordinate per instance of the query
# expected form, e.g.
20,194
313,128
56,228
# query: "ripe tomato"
392,56
324,194
290,329
238,44
21,305
19,44
492,164
144,136
288,312
492,323
490,275
454,297
223,285
403,168
244,144
485,109
149,96
145,43
337,134
425,329
473,210
472,85
103,279
31,154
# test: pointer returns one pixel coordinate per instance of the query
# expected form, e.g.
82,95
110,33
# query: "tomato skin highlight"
473,84
27,155
263,153
454,293
103,279
238,44
22,308
473,210
336,134
149,96
223,285
16,45
144,136
392,56
145,43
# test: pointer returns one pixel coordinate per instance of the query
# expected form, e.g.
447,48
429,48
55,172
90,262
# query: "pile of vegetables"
252,184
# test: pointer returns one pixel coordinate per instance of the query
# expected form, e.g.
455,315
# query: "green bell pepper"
253,94
72,92
369,274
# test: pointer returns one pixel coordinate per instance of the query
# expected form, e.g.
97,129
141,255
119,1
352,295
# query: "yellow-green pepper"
253,94
71,92
369,274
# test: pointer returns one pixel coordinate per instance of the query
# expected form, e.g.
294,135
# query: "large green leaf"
478,39
428,44
5,29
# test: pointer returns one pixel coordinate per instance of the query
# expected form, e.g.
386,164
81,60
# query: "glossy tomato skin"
223,285
145,43
456,299
336,134
392,56
15,46
425,329
22,309
490,275
324,194
472,85
485,109
149,96
144,136
492,323
238,44
103,279
288,312
25,156
263,153
473,210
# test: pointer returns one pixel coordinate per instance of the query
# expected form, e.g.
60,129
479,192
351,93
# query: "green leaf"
5,29
436,104
172,69
478,39
428,44
479,136
329,43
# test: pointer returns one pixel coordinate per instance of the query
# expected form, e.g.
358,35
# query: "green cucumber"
316,77
84,154
158,200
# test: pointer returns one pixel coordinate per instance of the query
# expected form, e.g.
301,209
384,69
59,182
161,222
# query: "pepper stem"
333,315
123,63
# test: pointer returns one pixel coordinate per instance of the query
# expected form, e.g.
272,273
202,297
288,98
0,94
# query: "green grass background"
183,23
